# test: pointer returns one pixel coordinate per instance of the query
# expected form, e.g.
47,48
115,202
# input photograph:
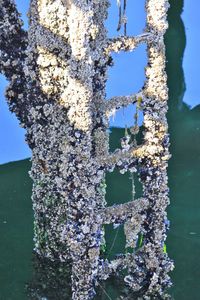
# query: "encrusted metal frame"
57,72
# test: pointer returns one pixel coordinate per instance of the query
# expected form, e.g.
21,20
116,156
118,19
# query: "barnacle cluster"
13,42
57,73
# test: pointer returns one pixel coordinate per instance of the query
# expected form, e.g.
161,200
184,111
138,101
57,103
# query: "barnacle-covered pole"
67,72
13,43
57,74
153,167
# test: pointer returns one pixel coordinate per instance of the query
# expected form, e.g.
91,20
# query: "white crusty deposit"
57,72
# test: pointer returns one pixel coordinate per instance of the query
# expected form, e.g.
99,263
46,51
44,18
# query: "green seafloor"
183,242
